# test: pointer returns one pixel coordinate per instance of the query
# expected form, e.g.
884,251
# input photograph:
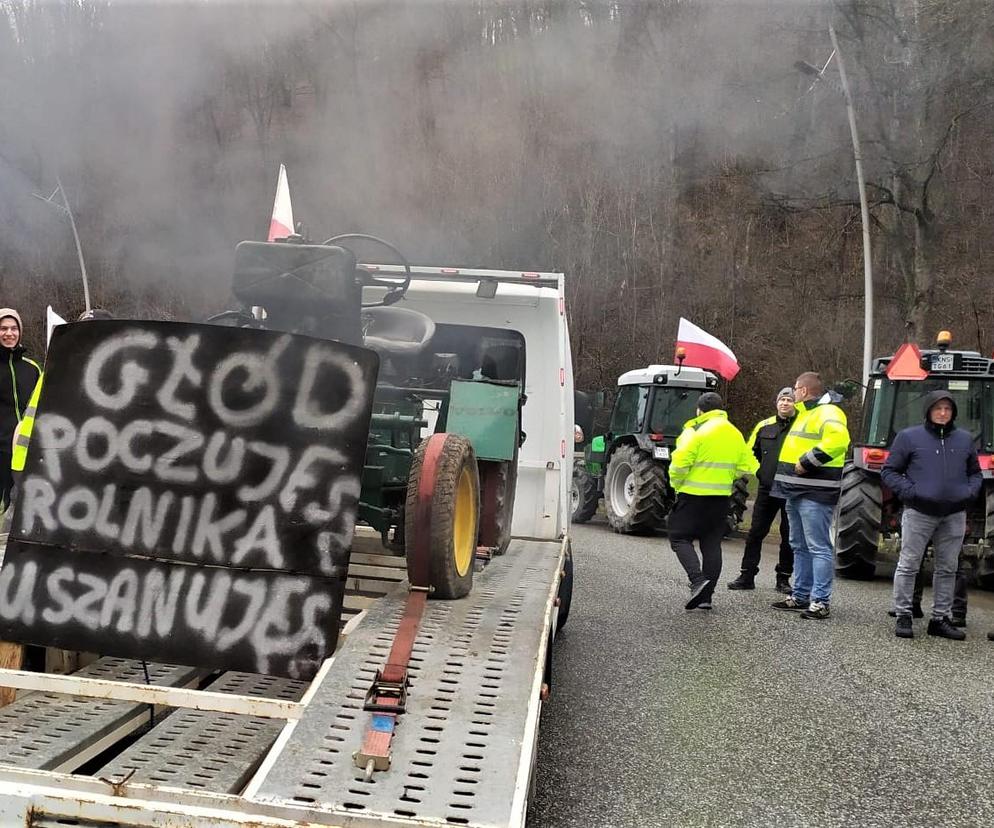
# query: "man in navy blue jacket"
934,472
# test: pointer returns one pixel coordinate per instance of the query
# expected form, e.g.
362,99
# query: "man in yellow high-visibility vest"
809,477
710,455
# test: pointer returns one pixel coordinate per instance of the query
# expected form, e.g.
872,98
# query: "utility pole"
64,207
864,210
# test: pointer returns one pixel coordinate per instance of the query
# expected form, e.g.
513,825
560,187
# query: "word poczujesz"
192,482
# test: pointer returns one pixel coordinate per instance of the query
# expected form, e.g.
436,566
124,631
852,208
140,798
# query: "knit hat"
11,312
787,392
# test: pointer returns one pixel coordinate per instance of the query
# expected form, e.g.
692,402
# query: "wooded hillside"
666,154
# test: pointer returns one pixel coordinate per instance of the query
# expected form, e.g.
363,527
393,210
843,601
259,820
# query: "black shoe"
817,611
791,604
958,621
990,635
783,584
916,612
904,628
742,582
941,628
698,595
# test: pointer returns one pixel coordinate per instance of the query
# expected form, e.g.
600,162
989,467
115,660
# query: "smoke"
458,130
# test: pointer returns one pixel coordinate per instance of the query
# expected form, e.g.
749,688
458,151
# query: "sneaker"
958,621
742,582
904,628
792,604
916,612
783,584
817,611
697,595
704,605
941,628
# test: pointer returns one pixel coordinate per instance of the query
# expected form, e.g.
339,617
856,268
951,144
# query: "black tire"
737,503
585,496
635,492
857,524
455,516
506,486
565,593
985,565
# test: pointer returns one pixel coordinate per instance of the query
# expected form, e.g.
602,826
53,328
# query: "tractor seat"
396,332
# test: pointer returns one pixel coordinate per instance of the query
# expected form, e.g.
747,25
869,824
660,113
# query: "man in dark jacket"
765,441
934,472
16,386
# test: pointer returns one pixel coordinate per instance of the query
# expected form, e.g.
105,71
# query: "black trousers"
704,519
764,512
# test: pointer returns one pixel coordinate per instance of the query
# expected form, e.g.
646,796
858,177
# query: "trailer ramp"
462,752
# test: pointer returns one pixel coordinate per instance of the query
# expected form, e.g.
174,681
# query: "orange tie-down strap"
386,698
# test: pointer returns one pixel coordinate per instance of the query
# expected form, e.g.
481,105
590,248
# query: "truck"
868,522
628,465
127,741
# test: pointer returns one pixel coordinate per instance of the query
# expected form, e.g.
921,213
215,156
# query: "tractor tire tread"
648,511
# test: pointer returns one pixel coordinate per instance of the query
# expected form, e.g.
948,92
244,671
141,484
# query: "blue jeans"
811,540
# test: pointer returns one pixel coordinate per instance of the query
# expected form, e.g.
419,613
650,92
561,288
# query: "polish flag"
705,351
281,225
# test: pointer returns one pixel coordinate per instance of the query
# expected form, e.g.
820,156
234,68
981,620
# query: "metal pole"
79,248
864,214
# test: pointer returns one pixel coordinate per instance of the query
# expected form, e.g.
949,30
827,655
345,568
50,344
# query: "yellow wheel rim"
464,524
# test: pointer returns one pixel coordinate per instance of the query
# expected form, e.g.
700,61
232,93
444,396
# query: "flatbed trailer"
462,755
114,745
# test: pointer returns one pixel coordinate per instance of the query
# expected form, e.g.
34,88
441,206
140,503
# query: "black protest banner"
190,495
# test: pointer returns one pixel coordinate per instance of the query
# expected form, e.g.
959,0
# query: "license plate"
661,453
942,362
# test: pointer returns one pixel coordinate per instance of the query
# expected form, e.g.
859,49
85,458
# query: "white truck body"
261,751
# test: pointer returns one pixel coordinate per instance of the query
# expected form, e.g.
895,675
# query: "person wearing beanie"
934,471
17,384
710,455
765,441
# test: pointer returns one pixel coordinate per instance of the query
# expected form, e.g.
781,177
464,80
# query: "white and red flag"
706,351
281,224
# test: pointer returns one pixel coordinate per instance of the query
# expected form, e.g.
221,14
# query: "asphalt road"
746,716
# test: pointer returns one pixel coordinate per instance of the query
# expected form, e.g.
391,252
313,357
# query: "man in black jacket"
933,470
765,441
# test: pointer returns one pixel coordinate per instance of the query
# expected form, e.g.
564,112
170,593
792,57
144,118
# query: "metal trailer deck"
462,755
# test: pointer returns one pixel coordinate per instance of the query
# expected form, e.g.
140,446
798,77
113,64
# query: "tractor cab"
895,395
628,465
869,519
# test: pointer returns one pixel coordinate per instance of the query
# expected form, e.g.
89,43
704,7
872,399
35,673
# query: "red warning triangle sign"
906,364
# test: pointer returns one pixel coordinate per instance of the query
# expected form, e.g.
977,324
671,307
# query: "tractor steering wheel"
396,286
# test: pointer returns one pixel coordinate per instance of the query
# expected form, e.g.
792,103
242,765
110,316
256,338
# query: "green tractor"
442,453
868,521
628,465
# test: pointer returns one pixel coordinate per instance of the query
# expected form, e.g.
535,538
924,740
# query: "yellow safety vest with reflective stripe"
818,439
22,434
710,455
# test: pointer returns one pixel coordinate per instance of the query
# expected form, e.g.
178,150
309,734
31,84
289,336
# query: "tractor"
868,521
461,385
628,465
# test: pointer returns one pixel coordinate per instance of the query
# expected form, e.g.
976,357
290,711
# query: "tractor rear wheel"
737,503
443,513
585,496
634,492
857,524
